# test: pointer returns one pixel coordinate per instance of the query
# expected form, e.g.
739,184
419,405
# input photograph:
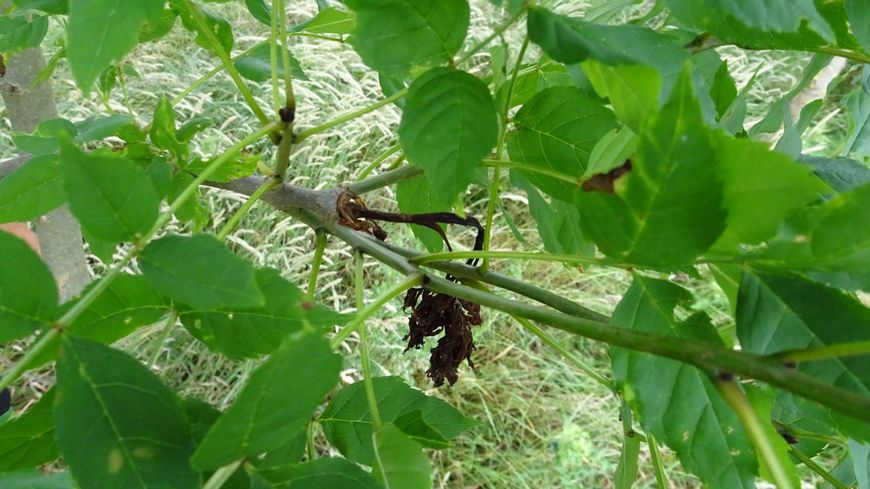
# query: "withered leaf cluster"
434,313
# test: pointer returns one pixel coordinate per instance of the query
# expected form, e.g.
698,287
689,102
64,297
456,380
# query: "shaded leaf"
34,479
347,421
859,18
449,125
393,36
329,21
677,402
260,11
28,294
841,174
272,407
858,106
557,130
323,473
118,425
399,460
32,190
250,332
646,220
58,7
199,271
28,440
20,32
162,132
218,26
111,197
102,32
778,313
558,223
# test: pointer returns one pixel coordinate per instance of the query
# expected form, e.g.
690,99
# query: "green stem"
282,159
656,459
233,221
319,247
33,352
497,32
845,53
273,54
222,475
825,352
516,255
164,335
316,36
364,343
312,450
499,153
818,469
362,315
573,359
203,28
735,397
376,163
302,136
208,76
289,98
534,169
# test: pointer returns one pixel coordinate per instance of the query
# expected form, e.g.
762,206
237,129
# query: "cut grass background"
543,423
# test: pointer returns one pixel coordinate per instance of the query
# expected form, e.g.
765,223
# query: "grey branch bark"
59,234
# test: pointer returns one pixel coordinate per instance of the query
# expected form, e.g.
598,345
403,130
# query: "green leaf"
32,190
202,417
758,178
192,210
274,405
841,174
257,65
646,220
126,305
163,26
162,131
243,166
858,106
111,197
219,26
323,473
193,127
347,421
860,463
329,21
795,24
558,222
201,272
723,91
34,479
633,90
842,235
611,151
19,32
859,18
399,461
394,36
449,125
28,440
250,332
102,32
46,138
118,425
557,130
260,11
415,196
778,313
677,402
28,294
58,7
97,128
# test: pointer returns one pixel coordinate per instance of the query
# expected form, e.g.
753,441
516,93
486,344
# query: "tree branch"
317,208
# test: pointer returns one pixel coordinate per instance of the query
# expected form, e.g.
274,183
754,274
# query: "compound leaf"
557,130
250,332
449,125
111,197
677,402
118,425
277,401
348,425
399,461
200,271
393,36
103,31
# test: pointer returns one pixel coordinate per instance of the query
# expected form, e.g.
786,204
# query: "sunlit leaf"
28,294
399,460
